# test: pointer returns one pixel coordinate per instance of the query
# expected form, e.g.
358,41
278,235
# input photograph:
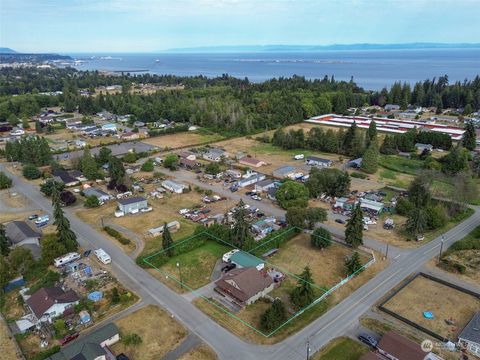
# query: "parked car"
368,339
299,157
229,267
33,217
68,338
256,197
147,209
340,221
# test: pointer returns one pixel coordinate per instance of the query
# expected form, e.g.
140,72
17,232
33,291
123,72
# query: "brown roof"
188,163
185,154
243,283
250,161
44,298
401,347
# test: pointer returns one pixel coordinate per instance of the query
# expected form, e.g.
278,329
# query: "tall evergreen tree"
240,231
4,243
88,165
417,221
469,139
65,235
354,228
116,171
371,134
353,264
370,159
303,294
167,241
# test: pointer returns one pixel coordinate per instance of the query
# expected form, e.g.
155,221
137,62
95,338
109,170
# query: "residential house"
173,226
251,180
251,162
356,163
422,147
265,185
397,347
318,162
215,154
271,194
130,135
284,172
469,337
101,195
105,115
80,143
49,303
94,346
132,205
236,174
392,107
19,233
139,124
69,178
263,228
344,203
244,286
188,164
174,186
110,127
187,155
243,259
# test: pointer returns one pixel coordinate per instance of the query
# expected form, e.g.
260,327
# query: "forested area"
225,104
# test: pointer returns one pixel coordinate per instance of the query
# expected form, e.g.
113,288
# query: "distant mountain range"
314,48
5,50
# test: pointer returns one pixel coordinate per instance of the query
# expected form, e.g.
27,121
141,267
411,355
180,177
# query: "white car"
147,209
183,211
119,213
102,256
299,157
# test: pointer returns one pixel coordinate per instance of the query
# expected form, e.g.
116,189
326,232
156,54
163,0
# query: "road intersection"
336,322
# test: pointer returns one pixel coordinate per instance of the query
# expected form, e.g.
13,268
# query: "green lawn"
400,164
341,348
196,266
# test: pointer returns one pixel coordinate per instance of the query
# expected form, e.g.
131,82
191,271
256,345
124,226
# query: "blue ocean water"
371,69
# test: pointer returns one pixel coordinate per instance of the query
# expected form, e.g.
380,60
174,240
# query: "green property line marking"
325,294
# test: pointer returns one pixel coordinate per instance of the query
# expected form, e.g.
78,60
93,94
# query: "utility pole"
441,248
386,251
180,274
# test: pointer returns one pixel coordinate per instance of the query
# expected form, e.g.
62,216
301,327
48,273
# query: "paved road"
335,322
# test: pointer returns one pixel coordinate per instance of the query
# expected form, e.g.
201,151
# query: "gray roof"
95,192
265,182
131,200
117,150
318,159
17,231
34,249
471,332
87,347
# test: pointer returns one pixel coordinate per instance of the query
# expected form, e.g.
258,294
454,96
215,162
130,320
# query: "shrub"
404,206
460,268
147,165
91,202
114,296
130,157
31,172
131,339
114,233
437,217
358,175
48,186
321,238
5,181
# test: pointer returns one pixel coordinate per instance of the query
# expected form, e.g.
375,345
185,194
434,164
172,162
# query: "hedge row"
114,233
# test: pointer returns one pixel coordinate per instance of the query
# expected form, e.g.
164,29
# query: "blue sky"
151,25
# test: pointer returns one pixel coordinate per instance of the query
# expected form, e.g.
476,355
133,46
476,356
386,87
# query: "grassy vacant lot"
327,265
196,266
202,352
341,348
274,156
160,333
7,343
13,201
444,302
177,140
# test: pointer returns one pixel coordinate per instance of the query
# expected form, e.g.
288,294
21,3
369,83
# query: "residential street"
334,323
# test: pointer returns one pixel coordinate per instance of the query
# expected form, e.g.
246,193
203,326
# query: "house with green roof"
243,259
93,346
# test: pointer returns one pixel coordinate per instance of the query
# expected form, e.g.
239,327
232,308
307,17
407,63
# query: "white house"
214,155
174,186
49,303
469,338
317,161
101,195
132,205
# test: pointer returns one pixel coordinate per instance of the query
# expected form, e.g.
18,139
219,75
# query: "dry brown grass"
444,302
14,201
202,352
471,274
7,217
159,331
174,141
7,343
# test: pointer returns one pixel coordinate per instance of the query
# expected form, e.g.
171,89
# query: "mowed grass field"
423,294
173,141
160,333
341,348
195,267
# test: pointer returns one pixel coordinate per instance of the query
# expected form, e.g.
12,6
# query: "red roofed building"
248,161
